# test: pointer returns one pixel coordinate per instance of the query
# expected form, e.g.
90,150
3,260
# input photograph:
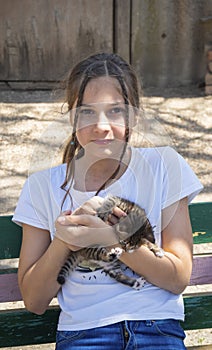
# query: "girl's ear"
72,114
133,117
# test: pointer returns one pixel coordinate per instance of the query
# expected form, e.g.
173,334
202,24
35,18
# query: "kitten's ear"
126,226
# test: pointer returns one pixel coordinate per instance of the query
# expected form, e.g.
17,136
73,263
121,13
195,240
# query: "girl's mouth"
102,141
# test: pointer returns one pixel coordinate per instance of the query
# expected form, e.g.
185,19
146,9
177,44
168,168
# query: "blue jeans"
127,335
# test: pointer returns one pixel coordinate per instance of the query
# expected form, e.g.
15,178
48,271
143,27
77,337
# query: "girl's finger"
82,220
66,212
87,220
118,212
112,219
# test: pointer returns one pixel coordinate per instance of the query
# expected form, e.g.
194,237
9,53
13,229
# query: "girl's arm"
41,259
39,264
171,272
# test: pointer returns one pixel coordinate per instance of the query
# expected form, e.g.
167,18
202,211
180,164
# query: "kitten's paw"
160,253
139,283
115,253
118,251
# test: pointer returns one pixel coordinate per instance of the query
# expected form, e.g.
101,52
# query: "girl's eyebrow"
103,103
85,105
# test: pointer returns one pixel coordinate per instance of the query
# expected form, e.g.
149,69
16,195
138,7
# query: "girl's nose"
102,122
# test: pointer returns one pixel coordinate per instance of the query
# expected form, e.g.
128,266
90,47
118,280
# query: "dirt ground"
33,131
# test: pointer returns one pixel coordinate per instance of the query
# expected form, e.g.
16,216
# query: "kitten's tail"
67,268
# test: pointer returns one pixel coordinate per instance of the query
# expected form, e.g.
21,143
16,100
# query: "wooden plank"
201,221
9,290
198,311
201,237
10,238
21,327
202,270
122,28
32,85
201,274
76,29
200,213
202,249
162,31
9,265
26,328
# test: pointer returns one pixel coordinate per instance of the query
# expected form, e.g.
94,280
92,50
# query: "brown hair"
98,65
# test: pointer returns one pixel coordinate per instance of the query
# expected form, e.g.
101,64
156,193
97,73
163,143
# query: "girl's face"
101,118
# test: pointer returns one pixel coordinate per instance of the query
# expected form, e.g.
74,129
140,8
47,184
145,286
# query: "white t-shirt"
154,179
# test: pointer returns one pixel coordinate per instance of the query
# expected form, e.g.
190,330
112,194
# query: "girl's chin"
100,153
94,150
112,145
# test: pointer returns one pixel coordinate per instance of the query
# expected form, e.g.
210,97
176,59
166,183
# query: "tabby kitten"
132,231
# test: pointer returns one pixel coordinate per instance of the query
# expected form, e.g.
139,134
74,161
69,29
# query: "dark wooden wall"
169,39
164,39
41,39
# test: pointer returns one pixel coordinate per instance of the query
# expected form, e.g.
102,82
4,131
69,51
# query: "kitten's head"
133,228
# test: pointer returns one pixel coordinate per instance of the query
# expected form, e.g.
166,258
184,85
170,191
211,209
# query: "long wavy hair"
97,65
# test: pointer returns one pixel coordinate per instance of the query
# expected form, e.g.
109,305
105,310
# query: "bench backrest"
20,327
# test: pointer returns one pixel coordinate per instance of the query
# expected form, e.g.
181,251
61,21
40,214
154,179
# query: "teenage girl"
96,311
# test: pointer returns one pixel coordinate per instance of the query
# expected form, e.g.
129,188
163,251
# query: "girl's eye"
86,112
116,112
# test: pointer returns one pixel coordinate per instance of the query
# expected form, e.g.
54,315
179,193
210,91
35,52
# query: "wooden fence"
164,39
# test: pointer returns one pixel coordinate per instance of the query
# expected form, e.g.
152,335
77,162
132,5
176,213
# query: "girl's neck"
90,177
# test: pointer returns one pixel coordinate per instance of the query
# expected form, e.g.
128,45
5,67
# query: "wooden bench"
19,327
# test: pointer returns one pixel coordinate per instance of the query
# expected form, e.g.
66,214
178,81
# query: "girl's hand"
91,206
82,228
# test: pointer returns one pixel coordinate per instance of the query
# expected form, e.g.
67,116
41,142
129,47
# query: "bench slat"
200,214
201,221
20,327
26,328
198,311
202,271
9,290
10,238
201,274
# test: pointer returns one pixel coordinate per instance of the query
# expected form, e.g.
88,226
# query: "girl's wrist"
65,246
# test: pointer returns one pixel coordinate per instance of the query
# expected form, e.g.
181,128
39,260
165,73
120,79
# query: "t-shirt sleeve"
179,180
31,207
